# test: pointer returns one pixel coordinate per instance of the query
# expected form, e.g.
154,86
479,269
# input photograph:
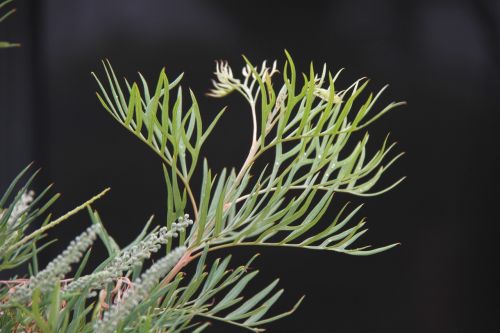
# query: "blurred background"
442,57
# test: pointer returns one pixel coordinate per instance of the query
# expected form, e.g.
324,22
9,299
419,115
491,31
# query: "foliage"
308,126
3,16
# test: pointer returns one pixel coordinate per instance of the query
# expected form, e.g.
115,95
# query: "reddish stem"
185,259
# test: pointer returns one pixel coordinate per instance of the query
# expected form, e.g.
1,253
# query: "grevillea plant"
304,126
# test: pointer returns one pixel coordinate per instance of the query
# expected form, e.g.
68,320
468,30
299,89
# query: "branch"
358,251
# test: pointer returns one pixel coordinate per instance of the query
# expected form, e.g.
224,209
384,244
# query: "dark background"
443,57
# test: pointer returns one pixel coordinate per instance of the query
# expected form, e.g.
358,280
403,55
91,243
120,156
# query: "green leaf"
54,306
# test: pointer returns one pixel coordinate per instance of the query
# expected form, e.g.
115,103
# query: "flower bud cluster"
226,83
57,268
19,208
142,287
130,257
11,238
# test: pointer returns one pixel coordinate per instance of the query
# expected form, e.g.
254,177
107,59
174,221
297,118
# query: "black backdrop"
443,57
